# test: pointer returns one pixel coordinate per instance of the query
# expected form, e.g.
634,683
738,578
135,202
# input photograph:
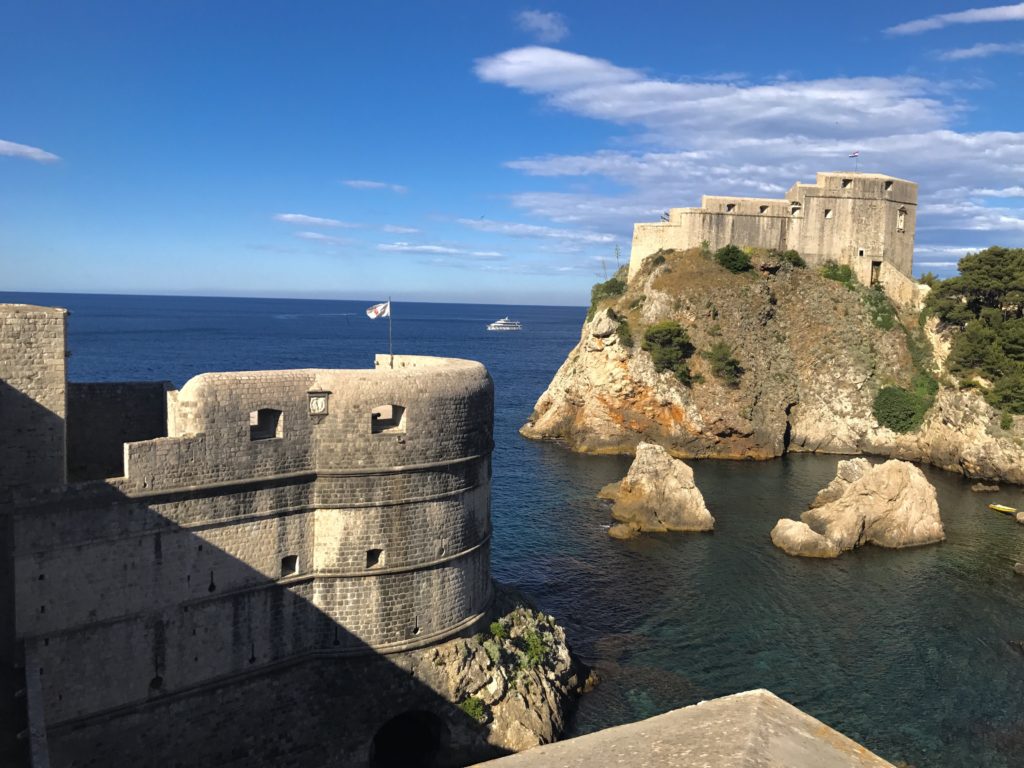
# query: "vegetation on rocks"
986,303
880,309
723,365
609,289
670,349
841,273
733,258
474,707
791,257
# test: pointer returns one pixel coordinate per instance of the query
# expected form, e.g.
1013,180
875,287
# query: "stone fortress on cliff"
864,220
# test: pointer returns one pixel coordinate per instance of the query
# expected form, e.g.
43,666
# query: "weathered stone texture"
217,556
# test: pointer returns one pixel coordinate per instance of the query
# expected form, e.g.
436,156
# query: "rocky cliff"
812,353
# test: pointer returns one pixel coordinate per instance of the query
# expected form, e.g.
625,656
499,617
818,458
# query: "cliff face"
812,358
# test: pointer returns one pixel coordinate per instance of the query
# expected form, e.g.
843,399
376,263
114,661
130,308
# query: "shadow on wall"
154,645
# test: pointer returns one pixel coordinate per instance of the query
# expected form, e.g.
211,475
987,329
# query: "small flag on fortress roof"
855,154
379,310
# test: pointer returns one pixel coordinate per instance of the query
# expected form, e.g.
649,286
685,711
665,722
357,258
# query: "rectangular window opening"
846,183
265,424
374,558
289,565
794,209
730,207
387,419
888,186
828,213
763,209
876,272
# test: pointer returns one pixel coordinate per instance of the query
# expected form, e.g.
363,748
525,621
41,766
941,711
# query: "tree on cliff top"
986,301
670,348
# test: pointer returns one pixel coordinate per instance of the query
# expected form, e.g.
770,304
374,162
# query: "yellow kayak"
1002,508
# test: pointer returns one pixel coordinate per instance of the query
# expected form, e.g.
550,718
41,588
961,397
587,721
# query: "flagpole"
391,352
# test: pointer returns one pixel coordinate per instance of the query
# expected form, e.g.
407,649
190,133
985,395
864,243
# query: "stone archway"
414,739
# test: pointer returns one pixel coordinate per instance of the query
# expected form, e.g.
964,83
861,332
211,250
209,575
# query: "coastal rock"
658,494
1020,517
890,505
812,362
518,678
983,488
623,531
797,538
1018,568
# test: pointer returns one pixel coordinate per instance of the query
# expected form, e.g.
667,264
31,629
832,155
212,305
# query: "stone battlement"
251,519
865,220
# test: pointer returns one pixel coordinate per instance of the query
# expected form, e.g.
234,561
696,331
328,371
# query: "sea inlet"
917,654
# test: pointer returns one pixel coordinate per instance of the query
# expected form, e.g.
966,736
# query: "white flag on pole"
379,310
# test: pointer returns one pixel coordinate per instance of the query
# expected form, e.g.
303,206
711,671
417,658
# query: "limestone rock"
1020,517
796,538
890,505
983,488
658,494
813,362
623,531
518,675
1018,568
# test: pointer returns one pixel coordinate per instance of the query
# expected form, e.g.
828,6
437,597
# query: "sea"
917,654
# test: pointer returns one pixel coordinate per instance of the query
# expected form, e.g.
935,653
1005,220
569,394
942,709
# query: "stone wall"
854,219
241,542
102,417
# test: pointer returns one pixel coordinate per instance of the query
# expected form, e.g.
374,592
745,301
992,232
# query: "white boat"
505,324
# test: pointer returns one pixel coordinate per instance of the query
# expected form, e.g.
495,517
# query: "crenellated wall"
239,542
864,220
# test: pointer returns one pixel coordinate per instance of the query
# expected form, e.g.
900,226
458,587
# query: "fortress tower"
865,220
176,552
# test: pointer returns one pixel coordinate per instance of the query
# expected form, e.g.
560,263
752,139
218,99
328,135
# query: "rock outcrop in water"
813,355
518,678
657,494
890,505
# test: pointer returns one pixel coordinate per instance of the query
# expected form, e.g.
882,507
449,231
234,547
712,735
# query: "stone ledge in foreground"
754,729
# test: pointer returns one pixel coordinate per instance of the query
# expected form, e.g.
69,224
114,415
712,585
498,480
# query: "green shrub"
670,348
881,310
625,333
609,289
474,707
929,278
793,257
498,631
897,409
733,259
1007,393
841,273
536,650
657,260
1006,421
723,365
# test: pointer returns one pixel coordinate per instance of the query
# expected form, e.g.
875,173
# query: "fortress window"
289,565
730,207
888,186
846,183
901,220
374,557
828,213
265,424
794,209
387,419
764,209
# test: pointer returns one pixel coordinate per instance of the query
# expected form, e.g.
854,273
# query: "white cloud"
982,50
970,16
320,237
516,229
545,26
394,229
710,137
437,249
312,221
11,149
367,184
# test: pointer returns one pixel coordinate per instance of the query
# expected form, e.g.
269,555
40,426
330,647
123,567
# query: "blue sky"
468,151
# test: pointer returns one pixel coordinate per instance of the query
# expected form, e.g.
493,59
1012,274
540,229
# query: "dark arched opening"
410,740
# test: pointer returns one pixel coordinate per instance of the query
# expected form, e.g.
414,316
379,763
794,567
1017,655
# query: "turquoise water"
909,652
